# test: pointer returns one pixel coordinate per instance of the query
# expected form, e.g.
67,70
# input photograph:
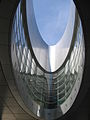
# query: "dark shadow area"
83,110
3,91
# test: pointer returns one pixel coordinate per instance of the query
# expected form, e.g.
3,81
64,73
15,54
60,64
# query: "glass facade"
47,91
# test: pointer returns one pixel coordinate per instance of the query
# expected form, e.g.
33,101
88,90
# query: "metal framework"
47,94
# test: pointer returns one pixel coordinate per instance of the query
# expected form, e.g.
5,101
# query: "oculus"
47,64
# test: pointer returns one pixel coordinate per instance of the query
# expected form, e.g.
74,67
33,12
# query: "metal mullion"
17,41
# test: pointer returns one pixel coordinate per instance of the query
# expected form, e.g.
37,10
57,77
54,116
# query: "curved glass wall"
48,95
50,57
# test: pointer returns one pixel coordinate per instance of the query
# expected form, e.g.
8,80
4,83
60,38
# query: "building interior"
12,106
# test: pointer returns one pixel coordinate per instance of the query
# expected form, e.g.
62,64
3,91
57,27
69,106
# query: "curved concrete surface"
49,57
10,106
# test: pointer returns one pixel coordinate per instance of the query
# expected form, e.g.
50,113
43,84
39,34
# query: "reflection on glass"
47,89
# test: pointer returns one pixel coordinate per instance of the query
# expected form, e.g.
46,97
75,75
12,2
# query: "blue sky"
51,18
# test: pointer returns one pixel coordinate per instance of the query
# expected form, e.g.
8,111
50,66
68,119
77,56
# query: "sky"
51,18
